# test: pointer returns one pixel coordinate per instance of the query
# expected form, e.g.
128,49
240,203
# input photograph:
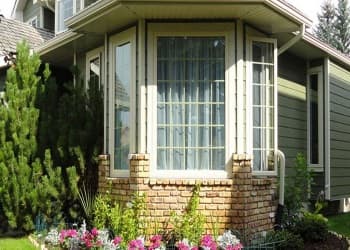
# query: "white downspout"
282,164
292,41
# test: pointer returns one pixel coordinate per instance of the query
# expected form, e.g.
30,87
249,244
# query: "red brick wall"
242,203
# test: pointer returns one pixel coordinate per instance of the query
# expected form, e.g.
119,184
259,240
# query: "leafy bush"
190,225
126,220
312,227
285,240
297,190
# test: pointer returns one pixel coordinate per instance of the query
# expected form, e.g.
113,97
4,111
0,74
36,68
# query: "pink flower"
136,245
238,246
182,246
117,240
156,242
208,242
94,232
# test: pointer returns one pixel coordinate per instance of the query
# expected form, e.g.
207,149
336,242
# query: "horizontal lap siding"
31,10
292,113
339,132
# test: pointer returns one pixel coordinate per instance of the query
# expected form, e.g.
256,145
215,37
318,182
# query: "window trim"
313,71
249,103
226,30
90,55
115,40
31,20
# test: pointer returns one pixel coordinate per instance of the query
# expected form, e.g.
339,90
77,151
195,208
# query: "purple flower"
208,242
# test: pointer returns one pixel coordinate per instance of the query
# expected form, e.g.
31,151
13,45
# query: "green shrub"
190,224
285,240
297,191
312,227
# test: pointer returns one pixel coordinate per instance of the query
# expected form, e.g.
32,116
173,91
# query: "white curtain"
191,110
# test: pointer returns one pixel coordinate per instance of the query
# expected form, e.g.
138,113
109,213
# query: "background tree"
325,29
342,26
28,184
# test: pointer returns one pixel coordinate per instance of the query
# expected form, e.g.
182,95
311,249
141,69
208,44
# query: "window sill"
191,182
190,174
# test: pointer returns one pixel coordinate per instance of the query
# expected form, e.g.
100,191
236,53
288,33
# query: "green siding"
339,132
292,113
31,10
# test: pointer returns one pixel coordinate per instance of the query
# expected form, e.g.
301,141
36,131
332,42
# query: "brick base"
244,202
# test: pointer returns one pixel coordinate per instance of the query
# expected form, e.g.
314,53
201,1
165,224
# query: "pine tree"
342,26
325,29
28,184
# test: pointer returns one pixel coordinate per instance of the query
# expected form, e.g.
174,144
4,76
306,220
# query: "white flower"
227,239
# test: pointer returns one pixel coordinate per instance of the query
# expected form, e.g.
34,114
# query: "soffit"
109,17
310,48
63,55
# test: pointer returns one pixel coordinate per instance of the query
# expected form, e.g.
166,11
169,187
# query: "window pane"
263,52
94,74
122,105
191,82
263,106
314,157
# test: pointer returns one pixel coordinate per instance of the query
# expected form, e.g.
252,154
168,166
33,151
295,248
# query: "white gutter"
57,42
332,52
292,41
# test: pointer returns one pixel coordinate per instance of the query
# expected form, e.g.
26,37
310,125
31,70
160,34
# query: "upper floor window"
66,9
263,91
191,102
315,117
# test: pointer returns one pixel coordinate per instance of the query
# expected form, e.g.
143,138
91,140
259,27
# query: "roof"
13,31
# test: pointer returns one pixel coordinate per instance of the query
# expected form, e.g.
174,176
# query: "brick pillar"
139,172
242,183
103,172
254,201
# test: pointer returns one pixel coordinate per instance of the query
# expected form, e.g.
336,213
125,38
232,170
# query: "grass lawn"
340,224
16,244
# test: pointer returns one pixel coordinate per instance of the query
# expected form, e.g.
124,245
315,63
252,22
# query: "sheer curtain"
191,103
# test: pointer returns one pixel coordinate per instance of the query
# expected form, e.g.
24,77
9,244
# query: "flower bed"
100,239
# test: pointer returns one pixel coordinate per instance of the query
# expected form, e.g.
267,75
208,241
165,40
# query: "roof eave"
57,41
94,10
330,51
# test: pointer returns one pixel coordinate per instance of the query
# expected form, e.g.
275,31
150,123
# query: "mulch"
331,242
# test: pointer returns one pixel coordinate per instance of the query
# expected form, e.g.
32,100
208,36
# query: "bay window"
192,85
263,66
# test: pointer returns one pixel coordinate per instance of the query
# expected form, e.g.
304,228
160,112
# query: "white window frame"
226,30
33,19
116,40
58,14
319,72
249,102
93,54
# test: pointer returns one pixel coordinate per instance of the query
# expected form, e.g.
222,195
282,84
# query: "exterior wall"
339,131
292,108
31,10
243,203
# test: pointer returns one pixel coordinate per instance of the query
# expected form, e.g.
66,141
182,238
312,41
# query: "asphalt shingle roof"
13,32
